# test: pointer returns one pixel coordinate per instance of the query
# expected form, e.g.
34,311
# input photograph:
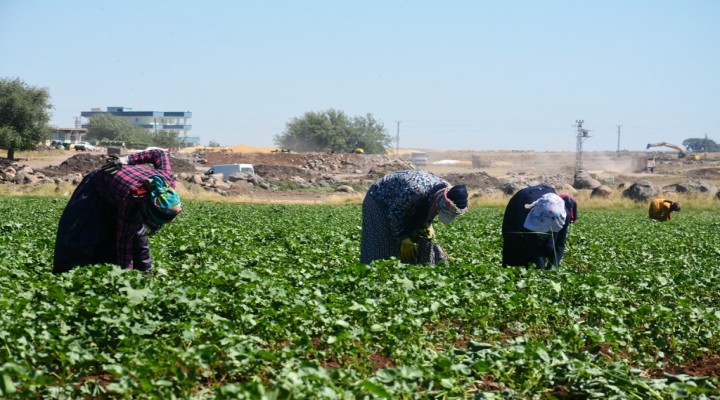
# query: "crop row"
271,301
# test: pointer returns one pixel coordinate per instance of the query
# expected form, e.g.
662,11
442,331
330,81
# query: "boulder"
708,187
642,191
583,180
675,187
691,187
222,185
256,180
510,188
217,177
344,189
602,191
239,176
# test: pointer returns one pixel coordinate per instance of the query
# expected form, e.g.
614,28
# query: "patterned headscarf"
163,203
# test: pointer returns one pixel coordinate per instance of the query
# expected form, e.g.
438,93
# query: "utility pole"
397,140
582,134
618,149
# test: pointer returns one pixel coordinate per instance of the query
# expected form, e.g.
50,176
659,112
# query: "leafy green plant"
270,301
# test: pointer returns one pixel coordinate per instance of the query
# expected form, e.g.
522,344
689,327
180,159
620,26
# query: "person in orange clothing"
661,209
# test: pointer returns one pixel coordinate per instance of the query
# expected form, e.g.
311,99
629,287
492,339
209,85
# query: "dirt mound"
283,166
84,163
80,163
179,166
473,180
281,171
706,173
294,159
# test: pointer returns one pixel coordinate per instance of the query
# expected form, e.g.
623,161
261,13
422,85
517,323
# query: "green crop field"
270,301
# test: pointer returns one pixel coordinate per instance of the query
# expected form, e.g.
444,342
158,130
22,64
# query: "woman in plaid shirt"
112,211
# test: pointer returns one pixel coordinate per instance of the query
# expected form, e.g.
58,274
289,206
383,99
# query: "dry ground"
611,166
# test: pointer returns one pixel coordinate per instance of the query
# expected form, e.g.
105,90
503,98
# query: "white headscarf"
547,214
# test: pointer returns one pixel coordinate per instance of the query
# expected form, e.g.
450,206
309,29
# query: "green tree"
109,127
166,139
700,145
24,116
333,130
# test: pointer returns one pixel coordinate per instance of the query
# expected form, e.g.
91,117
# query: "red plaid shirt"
125,191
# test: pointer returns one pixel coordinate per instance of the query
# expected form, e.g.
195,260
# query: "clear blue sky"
476,75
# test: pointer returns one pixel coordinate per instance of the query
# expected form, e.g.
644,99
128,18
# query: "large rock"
510,188
239,176
602,191
708,187
344,189
9,174
691,187
583,180
642,191
222,185
217,177
686,187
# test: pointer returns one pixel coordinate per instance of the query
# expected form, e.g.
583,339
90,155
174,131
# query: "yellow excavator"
681,151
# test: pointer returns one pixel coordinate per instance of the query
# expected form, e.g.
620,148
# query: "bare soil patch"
706,365
84,163
477,169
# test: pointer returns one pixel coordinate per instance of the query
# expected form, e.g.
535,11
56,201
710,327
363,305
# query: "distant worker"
114,209
661,209
535,227
401,206
651,165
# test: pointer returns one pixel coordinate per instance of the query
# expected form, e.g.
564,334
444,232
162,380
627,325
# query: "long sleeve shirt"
125,191
407,195
660,210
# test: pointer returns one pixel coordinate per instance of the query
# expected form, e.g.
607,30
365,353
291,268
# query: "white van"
419,159
229,169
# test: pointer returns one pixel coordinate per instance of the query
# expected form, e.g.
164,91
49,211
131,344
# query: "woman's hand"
408,249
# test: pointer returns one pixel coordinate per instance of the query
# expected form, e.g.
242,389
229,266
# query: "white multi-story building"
152,120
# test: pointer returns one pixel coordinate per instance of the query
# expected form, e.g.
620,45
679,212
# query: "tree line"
25,113
701,145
